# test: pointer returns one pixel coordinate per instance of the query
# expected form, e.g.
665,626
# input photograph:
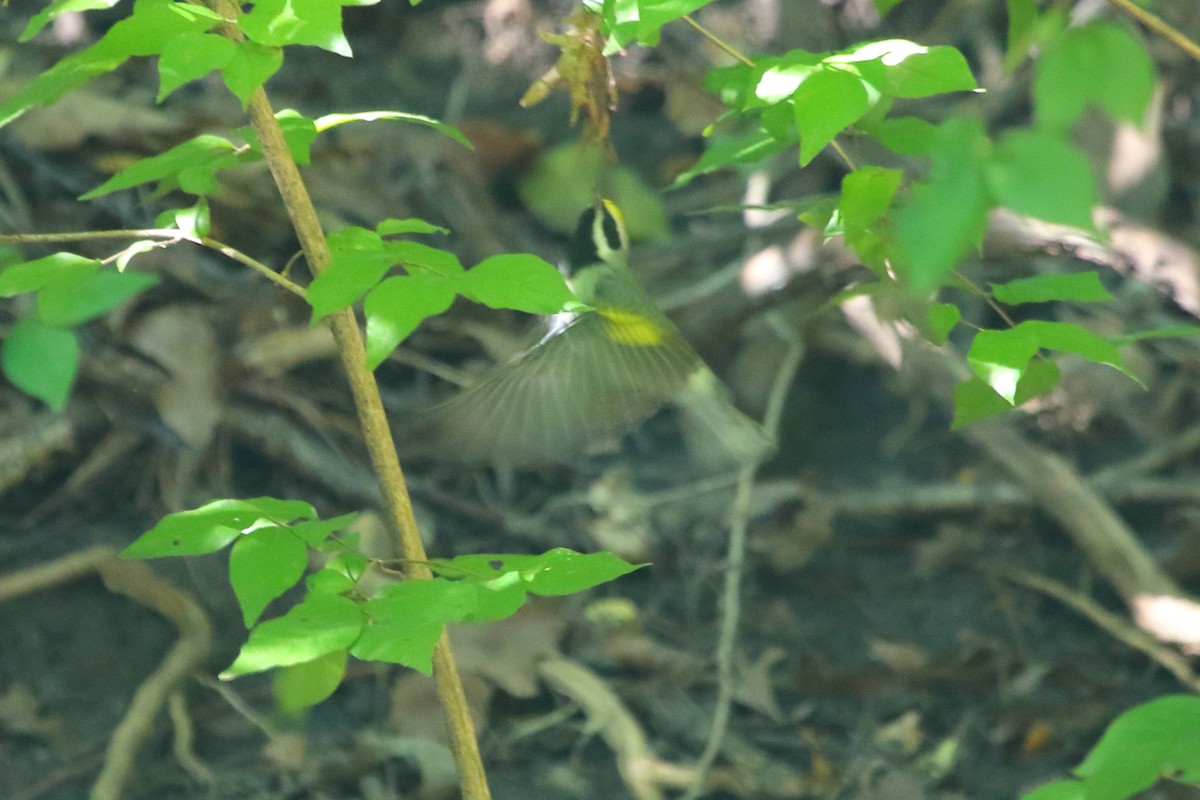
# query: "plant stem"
168,235
735,564
1159,26
378,437
721,44
372,419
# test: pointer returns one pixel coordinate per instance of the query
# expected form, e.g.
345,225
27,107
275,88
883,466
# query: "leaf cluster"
272,542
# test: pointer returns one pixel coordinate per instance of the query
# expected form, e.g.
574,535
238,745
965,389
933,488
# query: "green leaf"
884,6
333,120
626,21
1040,174
556,572
1101,63
521,282
725,151
498,599
911,70
738,84
1079,287
358,262
1000,358
41,360
321,624
906,136
306,684
1039,377
826,103
250,67
974,400
562,571
69,73
212,526
153,25
299,132
69,302
865,201
780,82
312,22
1058,790
1153,740
420,258
313,532
942,318
191,164
407,618
32,276
263,564
59,7
145,32
351,565
397,306
947,213
189,57
1067,337
330,581
194,221
396,227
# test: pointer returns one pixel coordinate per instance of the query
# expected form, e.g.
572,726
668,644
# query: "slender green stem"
721,44
257,266
1159,26
168,235
731,603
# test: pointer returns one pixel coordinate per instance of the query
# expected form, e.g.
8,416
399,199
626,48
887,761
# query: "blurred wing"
718,436
578,386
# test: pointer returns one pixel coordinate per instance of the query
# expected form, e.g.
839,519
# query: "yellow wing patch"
630,327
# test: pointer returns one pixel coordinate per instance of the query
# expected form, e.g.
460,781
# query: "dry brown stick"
957,498
644,773
1118,626
53,573
1091,523
1087,519
134,580
184,740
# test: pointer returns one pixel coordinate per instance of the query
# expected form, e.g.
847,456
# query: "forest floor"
891,645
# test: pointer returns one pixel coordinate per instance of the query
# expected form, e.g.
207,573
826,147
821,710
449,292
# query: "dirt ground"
892,646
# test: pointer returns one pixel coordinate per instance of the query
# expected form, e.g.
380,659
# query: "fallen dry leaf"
181,339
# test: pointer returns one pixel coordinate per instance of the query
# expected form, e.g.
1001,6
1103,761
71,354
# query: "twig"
168,235
739,523
134,580
1090,522
1159,26
720,43
1115,624
643,772
184,740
